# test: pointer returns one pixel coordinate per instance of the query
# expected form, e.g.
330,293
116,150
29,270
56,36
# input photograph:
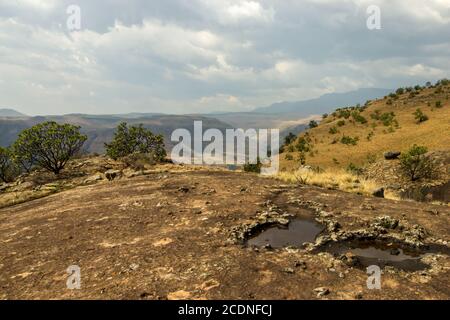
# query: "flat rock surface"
167,236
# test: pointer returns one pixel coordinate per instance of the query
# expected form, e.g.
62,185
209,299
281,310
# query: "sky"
201,56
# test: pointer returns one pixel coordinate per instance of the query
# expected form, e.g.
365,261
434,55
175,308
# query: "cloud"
212,55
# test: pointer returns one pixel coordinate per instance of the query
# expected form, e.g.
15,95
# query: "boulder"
112,174
392,155
93,178
379,193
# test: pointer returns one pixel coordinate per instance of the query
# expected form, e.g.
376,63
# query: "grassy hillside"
362,134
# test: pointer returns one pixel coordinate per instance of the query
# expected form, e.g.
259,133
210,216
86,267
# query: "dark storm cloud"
208,55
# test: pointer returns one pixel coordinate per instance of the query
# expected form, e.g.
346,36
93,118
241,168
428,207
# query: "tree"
49,145
135,139
420,116
8,168
289,138
313,124
416,164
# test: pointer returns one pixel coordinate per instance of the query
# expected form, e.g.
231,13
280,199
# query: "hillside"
360,135
10,113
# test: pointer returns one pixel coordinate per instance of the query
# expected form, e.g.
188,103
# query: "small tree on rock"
416,164
135,139
49,145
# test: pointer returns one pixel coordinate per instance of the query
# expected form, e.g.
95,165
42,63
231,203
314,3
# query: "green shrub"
400,91
49,145
438,104
347,140
388,119
333,130
341,123
420,116
289,157
354,169
253,167
135,139
313,124
358,117
289,138
8,168
303,145
416,165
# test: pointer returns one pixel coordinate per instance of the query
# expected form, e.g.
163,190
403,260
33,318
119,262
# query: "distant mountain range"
325,103
286,116
10,113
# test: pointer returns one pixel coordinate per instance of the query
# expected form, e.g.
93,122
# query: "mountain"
100,129
10,113
360,135
325,103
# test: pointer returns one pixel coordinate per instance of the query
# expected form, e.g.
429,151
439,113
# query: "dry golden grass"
434,133
337,179
14,198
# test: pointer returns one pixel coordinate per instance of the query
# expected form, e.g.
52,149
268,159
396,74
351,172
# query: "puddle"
382,255
295,234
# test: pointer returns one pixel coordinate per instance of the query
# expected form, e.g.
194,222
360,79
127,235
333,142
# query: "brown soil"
166,235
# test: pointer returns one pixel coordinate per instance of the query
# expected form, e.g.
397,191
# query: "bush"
400,91
135,139
354,169
289,138
138,161
438,104
8,168
420,116
253,167
333,130
416,165
358,117
303,145
349,140
313,124
49,145
289,157
341,123
387,118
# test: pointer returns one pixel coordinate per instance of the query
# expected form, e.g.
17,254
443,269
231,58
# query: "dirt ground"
166,235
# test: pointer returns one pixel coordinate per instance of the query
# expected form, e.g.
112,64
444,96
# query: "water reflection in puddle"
373,253
295,234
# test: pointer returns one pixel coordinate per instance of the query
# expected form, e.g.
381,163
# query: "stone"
350,259
392,155
379,193
395,252
322,291
184,189
289,270
386,222
300,264
112,174
93,178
